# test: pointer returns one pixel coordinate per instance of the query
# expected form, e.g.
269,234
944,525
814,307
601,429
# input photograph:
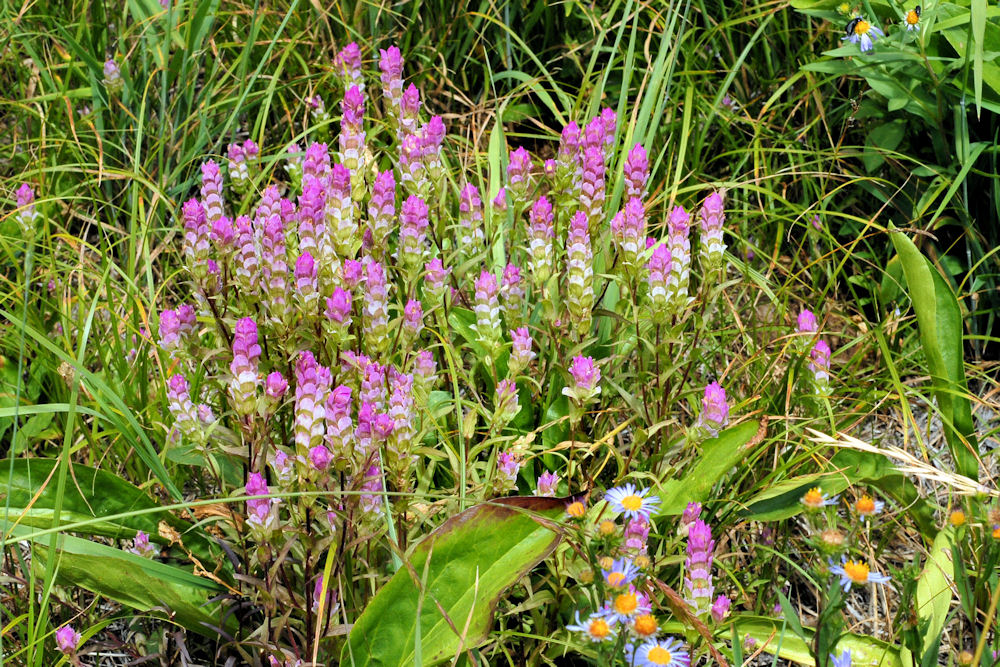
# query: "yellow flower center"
576,510
616,579
865,506
844,8
606,528
606,562
632,503
645,625
856,572
598,628
642,562
957,518
659,656
861,27
626,603
912,17
996,533
813,498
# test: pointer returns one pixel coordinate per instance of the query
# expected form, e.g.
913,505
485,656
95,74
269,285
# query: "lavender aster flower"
863,33
844,660
246,352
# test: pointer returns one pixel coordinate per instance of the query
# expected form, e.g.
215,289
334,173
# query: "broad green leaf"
885,137
783,499
134,581
463,320
463,566
769,635
90,495
718,456
940,322
934,592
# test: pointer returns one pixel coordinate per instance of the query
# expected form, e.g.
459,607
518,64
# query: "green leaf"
137,582
940,322
770,634
91,495
934,593
978,12
885,137
464,566
718,456
783,499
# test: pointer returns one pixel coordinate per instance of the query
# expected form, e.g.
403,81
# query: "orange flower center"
616,579
865,506
996,533
659,656
957,518
912,18
632,503
856,572
598,628
645,625
576,510
862,27
626,603
606,528
813,498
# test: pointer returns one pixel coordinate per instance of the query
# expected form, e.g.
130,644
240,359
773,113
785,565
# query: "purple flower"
680,254
470,220
141,546
390,62
691,513
437,281
383,426
319,457
341,227
382,207
246,352
274,267
181,407
487,311
636,536
375,311
26,214
807,322
413,318
720,608
506,403
712,217
547,484
338,307
339,425
306,283
351,141
411,164
541,233
659,273
371,502
579,275
698,576
409,108
424,367
312,215
259,514
500,202
197,231
628,229
586,378
636,172
67,639
413,223
819,364
592,186
352,272
211,191
113,76
348,61
519,173
312,382
521,353
275,386
508,465
714,409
